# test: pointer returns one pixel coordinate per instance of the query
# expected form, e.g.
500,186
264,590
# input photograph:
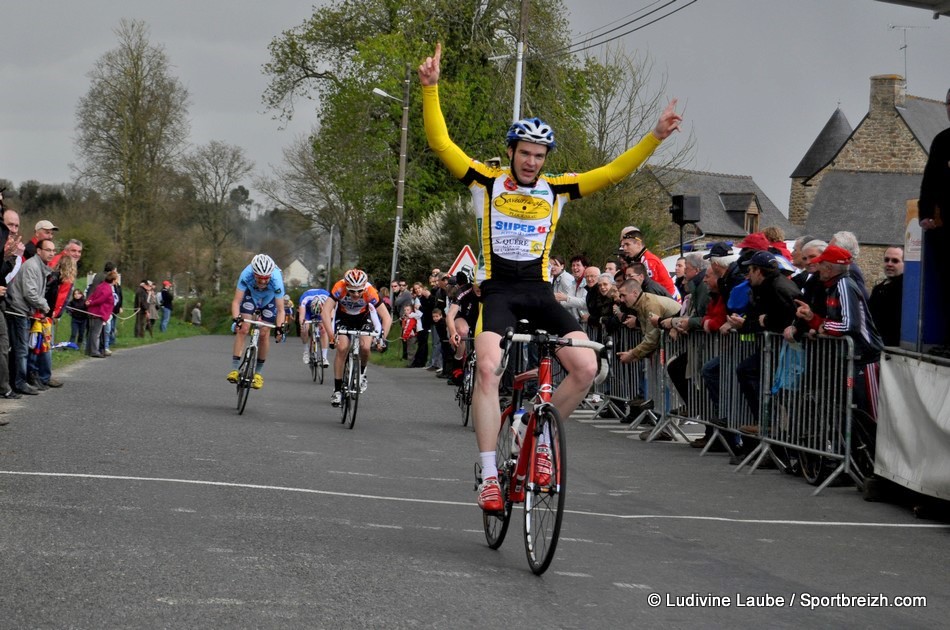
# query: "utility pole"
519,62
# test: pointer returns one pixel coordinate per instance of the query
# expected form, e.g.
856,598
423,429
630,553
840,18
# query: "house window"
752,221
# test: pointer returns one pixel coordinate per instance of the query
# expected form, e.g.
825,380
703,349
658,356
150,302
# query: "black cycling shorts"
353,322
504,303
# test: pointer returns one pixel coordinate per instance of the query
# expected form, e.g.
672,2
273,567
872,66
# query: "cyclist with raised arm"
355,301
260,289
519,208
309,313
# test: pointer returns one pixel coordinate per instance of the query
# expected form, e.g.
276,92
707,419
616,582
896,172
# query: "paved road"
136,497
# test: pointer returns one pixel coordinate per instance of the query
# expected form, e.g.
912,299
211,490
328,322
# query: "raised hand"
430,68
668,123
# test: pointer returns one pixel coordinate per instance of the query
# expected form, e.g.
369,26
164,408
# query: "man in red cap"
847,313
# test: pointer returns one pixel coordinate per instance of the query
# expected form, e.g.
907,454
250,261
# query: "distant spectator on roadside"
678,278
196,314
634,250
776,238
25,302
848,241
152,309
100,305
887,297
76,308
44,230
933,213
166,302
573,298
847,314
141,308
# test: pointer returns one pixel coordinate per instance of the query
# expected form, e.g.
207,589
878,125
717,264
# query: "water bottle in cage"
518,428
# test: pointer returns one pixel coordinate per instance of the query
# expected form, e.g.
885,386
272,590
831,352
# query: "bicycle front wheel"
345,390
245,378
354,390
467,389
544,496
496,523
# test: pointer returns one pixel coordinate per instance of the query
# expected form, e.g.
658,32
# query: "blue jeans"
166,315
41,364
20,344
77,333
108,335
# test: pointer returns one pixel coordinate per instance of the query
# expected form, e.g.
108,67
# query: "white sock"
489,468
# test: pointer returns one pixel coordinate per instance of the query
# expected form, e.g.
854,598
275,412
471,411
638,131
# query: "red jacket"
102,301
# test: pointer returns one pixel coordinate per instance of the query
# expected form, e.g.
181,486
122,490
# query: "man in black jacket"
772,308
933,211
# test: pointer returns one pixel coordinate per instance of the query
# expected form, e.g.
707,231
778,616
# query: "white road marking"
471,504
639,587
569,574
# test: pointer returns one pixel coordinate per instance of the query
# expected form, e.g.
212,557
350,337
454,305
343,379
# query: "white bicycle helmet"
316,305
355,280
531,130
263,265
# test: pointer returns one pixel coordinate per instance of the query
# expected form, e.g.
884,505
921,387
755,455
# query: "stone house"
860,179
731,206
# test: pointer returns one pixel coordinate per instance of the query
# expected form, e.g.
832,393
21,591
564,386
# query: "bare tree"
301,186
131,127
214,170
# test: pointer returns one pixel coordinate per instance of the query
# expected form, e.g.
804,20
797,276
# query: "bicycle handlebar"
603,350
357,332
258,322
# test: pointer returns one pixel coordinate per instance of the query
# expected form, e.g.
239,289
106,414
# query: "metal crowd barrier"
802,395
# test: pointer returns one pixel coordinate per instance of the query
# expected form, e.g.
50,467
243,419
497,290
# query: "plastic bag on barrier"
791,366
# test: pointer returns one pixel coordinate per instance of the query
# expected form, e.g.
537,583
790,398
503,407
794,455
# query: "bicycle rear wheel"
317,360
314,368
544,504
496,523
245,378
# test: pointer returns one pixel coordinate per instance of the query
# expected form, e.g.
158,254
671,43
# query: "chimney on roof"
887,92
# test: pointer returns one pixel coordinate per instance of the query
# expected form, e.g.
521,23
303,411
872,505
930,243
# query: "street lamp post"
401,183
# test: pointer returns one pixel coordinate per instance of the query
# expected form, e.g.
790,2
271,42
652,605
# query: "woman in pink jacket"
99,305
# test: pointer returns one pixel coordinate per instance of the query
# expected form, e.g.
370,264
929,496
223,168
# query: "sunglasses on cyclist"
261,278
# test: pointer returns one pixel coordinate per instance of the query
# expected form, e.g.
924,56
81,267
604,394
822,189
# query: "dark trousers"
422,349
748,372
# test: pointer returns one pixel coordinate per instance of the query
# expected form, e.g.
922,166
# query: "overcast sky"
758,78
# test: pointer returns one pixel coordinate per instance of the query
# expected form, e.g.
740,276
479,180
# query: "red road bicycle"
543,502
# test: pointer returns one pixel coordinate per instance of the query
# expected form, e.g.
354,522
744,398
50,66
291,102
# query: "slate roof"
925,118
872,205
723,200
826,146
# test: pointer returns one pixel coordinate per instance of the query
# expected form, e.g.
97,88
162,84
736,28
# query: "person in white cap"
44,230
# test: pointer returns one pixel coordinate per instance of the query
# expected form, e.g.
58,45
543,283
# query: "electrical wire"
576,48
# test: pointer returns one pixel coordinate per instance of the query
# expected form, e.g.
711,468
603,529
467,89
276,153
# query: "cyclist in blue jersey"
309,310
260,288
